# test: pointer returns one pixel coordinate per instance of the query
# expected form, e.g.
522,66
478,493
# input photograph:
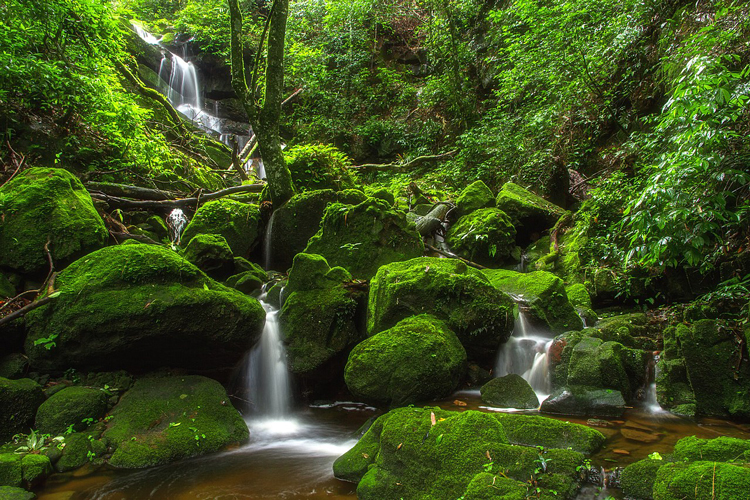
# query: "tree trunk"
265,119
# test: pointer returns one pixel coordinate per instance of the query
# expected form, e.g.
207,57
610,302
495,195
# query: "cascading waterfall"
176,222
525,354
651,403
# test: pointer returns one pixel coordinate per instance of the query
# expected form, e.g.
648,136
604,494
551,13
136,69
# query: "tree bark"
264,118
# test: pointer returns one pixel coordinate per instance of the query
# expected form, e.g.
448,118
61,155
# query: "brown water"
291,459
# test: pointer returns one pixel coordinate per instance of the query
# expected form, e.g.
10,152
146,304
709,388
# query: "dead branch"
126,191
405,166
28,307
454,256
116,202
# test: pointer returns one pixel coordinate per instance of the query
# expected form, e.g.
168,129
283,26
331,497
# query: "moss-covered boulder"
19,400
361,238
239,223
211,254
7,289
14,493
702,480
163,419
137,306
41,205
81,448
585,401
485,236
474,196
631,330
580,299
534,430
543,296
479,314
72,406
637,480
427,453
599,364
419,359
673,390
322,320
247,277
511,391
11,473
529,213
35,468
13,366
720,449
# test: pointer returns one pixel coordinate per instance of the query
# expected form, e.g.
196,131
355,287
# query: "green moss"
533,430
721,449
211,254
361,238
239,224
6,287
544,295
584,400
631,330
70,406
638,479
701,480
35,468
480,315
487,486
526,209
596,363
13,366
485,236
381,192
312,272
418,359
46,204
352,465
318,166
141,305
473,197
161,420
19,400
578,295
81,448
511,391
11,473
13,493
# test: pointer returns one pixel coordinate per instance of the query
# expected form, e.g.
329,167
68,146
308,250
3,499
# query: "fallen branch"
122,236
405,166
116,202
17,163
126,191
28,307
454,256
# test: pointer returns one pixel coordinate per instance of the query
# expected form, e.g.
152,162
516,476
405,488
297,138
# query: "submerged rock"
485,236
239,224
140,306
361,238
480,315
41,205
418,359
511,391
19,400
164,419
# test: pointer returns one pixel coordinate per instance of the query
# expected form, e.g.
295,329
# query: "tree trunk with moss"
264,114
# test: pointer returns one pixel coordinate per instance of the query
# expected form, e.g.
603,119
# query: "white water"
651,403
176,222
525,354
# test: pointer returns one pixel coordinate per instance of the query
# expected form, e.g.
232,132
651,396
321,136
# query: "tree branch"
116,202
405,166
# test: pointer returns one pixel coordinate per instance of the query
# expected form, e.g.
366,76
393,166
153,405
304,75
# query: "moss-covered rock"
474,196
247,276
133,306
163,419
511,391
637,479
533,430
19,400
7,289
70,407
631,330
417,360
486,486
720,449
321,319
528,212
211,254
580,299
673,388
599,364
543,296
361,238
13,366
480,315
11,473
82,448
239,224
485,236
427,453
318,166
41,205
701,480
14,493
35,468
583,400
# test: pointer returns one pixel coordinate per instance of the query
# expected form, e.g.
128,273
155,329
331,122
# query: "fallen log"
117,202
454,256
433,221
126,191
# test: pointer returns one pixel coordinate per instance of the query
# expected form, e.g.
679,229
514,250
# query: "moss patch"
527,210
485,236
474,196
700,480
70,406
511,391
11,473
638,479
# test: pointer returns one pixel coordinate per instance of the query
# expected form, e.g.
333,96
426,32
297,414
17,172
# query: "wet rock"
485,236
587,401
19,400
511,391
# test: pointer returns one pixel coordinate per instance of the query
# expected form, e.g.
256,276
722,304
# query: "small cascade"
267,260
176,222
521,266
525,354
650,401
267,376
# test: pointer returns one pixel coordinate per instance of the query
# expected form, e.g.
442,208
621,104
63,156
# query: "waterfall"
176,222
651,403
525,354
267,257
267,376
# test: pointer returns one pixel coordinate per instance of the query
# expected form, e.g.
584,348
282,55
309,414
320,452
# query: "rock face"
171,418
511,391
70,407
361,238
320,318
528,212
426,453
419,359
480,315
140,306
239,224
474,196
543,294
42,204
19,400
485,236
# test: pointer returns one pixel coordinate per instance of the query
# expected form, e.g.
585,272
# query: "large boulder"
637,479
485,236
71,408
239,223
419,359
480,315
322,320
530,214
361,238
43,205
426,453
19,400
140,306
543,296
511,391
702,480
473,197
164,419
